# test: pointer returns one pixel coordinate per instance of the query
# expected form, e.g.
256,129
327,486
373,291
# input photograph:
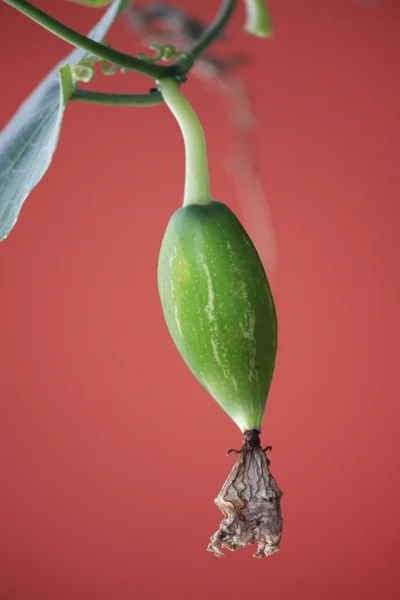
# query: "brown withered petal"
250,500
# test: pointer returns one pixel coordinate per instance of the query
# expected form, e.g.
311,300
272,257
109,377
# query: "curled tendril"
109,68
84,70
165,52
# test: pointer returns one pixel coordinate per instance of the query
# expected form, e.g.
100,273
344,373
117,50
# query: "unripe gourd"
219,309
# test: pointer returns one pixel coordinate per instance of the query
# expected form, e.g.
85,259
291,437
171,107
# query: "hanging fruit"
220,312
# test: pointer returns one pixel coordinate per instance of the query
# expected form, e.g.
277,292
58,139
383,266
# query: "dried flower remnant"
250,500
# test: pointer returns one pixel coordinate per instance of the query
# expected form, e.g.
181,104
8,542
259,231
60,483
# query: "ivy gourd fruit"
219,309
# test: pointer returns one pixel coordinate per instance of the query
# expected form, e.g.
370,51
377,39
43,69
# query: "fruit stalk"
197,183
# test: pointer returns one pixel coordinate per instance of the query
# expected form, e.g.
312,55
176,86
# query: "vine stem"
81,41
208,37
92,97
181,67
197,185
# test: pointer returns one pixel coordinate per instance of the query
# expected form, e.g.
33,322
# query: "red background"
110,452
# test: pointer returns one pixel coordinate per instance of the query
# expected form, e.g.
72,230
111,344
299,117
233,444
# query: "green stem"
209,36
81,41
197,185
258,21
151,99
180,68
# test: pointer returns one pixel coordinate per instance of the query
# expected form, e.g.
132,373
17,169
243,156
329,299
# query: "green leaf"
28,141
66,84
95,3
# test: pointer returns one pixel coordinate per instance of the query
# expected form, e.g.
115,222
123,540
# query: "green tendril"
84,70
109,68
164,52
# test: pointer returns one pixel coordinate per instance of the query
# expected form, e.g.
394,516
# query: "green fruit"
219,309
